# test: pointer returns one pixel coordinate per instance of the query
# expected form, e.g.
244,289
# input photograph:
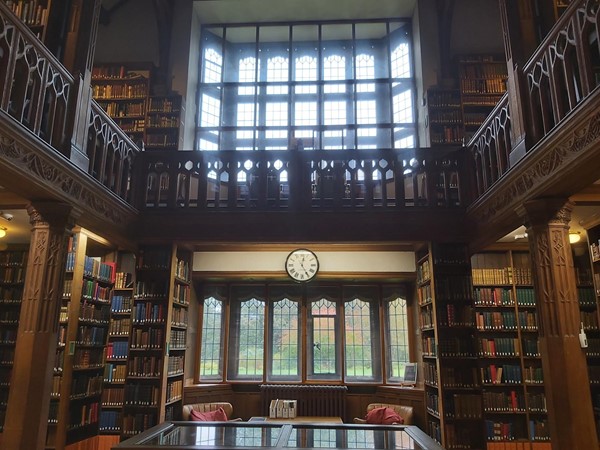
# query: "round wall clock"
302,265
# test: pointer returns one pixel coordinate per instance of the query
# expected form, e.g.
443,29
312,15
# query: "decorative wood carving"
533,175
35,164
564,364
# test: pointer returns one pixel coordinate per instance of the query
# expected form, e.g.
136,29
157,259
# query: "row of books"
114,373
14,258
119,327
501,374
113,396
174,390
506,321
147,339
91,290
430,373
455,316
182,269
519,445
494,297
432,403
486,86
159,258
503,275
86,414
8,335
504,401
110,421
56,383
586,296
443,98
456,346
86,358
459,377
447,135
144,366
448,116
88,312
136,423
423,272
31,12
120,304
462,406
178,339
86,385
133,90
11,294
116,350
9,316
453,289
424,293
589,320
175,365
151,289
179,317
149,313
123,280
12,274
90,335
525,297
181,294
141,395
499,347
499,431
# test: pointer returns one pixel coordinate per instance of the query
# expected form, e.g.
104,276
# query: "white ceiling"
254,11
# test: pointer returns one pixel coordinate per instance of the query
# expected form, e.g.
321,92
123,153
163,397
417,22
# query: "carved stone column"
31,381
566,380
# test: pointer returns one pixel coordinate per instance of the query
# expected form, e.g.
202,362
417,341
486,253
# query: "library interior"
300,224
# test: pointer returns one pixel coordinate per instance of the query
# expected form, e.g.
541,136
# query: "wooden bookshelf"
510,363
445,116
13,264
590,321
33,13
123,92
117,349
482,84
155,377
452,387
84,321
164,124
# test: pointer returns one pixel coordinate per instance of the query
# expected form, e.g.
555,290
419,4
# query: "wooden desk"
299,419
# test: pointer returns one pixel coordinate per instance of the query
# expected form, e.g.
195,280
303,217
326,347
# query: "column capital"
56,215
545,211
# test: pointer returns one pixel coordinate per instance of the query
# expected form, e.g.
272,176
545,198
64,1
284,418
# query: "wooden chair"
205,407
406,412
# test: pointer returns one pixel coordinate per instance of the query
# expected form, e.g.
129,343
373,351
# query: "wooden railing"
111,153
491,147
561,73
304,180
39,93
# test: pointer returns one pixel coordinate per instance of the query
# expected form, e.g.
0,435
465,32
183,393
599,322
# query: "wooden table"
299,419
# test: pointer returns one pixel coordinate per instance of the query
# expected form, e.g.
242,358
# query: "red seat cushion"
383,416
209,416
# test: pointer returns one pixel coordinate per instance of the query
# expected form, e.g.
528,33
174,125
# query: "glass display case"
251,435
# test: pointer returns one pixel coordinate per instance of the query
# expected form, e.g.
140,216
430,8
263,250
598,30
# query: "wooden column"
566,380
31,380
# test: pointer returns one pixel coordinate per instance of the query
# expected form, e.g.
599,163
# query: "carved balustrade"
559,76
491,147
301,180
41,95
564,69
35,89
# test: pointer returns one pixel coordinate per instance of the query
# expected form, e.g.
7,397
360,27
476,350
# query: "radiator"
313,400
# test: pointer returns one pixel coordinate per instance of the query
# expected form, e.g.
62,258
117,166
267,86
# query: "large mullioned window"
341,333
318,86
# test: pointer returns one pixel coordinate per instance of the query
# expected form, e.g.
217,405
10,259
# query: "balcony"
60,145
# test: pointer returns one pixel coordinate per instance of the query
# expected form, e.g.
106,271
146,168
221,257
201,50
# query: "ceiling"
254,11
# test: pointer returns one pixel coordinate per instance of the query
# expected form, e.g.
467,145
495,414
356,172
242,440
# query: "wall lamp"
574,237
2,232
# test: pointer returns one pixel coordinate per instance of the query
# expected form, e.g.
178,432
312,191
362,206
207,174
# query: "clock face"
302,265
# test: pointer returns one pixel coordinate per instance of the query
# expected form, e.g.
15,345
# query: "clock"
302,265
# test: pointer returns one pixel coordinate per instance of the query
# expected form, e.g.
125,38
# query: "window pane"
247,335
285,340
211,360
213,66
323,345
358,355
397,335
403,107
